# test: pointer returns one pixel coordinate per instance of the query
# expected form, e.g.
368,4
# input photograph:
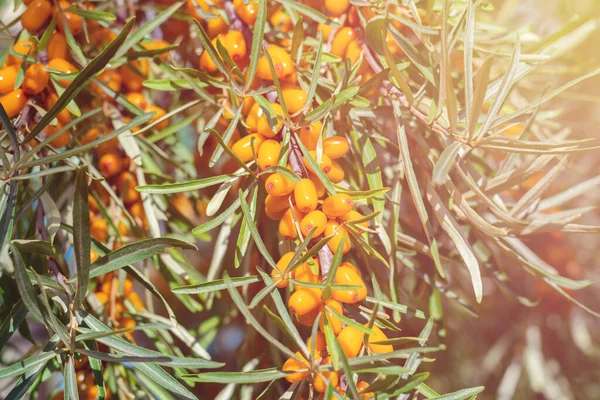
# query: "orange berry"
362,386
326,30
268,154
351,266
99,229
135,301
320,344
309,135
292,364
308,319
216,26
247,105
73,21
335,322
277,203
14,102
8,77
62,139
133,74
303,273
263,125
138,99
63,66
319,384
281,21
101,296
379,336
282,62
110,165
337,7
336,173
348,276
335,147
247,12
126,183
341,40
351,340
64,116
235,44
325,164
206,62
353,215
305,194
36,15
278,185
244,148
314,222
159,114
36,79
303,301
23,48
334,228
156,44
295,99
127,287
287,227
337,205
282,265
202,4
252,116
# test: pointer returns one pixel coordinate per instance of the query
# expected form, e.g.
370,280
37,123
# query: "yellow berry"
293,364
379,336
335,147
305,194
335,322
348,276
351,340
248,146
324,165
337,205
339,232
303,301
282,62
287,227
313,222
336,173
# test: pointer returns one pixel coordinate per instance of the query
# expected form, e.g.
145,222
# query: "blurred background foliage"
549,350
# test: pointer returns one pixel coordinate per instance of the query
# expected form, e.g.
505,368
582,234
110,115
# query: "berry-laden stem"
295,159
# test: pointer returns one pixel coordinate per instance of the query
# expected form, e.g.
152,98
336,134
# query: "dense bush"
293,199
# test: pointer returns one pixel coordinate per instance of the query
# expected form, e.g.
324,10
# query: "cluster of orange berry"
38,87
302,206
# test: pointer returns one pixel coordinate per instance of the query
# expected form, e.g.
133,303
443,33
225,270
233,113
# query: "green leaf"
415,191
239,302
216,285
71,389
180,187
28,293
262,375
81,236
461,394
257,42
170,361
134,252
254,231
445,163
28,364
460,240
